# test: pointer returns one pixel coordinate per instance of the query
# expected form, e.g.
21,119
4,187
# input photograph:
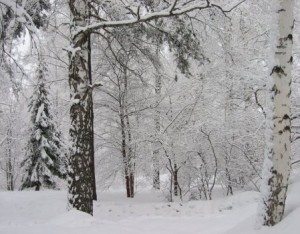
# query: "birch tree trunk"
278,152
130,154
127,139
81,132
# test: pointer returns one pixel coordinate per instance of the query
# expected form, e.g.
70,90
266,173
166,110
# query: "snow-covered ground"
45,212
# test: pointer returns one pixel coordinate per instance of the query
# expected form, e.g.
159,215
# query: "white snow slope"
45,213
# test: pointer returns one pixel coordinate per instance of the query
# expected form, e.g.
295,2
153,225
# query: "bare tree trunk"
175,180
129,178
278,150
92,119
128,144
81,132
9,160
131,163
211,187
228,178
156,151
126,137
229,110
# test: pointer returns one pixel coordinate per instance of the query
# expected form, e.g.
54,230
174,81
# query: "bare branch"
215,158
295,162
246,156
258,103
173,7
138,13
94,85
173,120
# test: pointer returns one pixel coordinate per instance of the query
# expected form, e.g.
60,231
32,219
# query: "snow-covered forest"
149,116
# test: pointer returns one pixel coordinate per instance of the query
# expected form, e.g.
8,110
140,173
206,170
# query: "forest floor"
45,212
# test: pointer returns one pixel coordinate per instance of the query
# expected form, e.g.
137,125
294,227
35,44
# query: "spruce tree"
45,157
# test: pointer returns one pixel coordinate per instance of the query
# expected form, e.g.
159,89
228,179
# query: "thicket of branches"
176,91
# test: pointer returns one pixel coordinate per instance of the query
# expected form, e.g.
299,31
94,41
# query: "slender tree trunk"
9,160
228,178
156,151
230,125
127,152
175,180
81,132
126,161
129,175
131,163
278,151
92,119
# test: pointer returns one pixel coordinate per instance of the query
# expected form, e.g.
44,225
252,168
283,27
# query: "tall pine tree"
45,154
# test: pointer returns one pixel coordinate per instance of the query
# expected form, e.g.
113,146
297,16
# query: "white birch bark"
278,151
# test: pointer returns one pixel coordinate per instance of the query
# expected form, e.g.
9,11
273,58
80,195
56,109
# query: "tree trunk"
131,159
156,155
92,119
230,115
128,173
81,132
126,145
9,160
278,151
125,158
175,180
228,178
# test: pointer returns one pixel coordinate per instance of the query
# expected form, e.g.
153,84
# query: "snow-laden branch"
21,13
173,10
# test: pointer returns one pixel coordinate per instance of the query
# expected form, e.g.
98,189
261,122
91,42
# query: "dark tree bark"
131,163
81,132
92,119
175,180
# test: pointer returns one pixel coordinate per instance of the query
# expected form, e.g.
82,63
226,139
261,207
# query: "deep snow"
45,212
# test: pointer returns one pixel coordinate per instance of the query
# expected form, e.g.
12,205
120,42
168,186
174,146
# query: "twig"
257,102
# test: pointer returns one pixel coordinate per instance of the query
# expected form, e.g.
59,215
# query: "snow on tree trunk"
156,145
278,151
92,131
81,132
126,147
127,161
